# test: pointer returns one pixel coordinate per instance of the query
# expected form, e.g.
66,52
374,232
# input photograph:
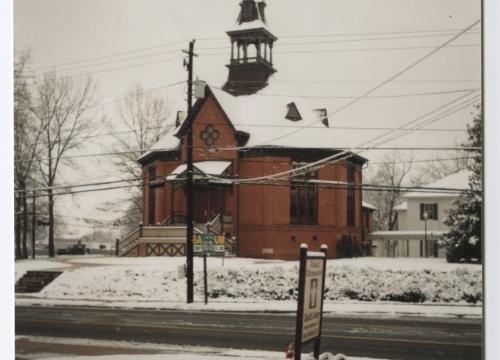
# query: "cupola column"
245,52
271,53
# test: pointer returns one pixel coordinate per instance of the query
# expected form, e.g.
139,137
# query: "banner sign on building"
310,301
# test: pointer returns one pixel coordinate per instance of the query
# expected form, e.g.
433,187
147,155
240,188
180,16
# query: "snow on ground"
171,352
233,355
388,286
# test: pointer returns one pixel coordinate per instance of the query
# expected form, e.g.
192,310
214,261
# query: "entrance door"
208,202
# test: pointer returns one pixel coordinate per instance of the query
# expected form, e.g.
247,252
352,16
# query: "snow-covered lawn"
248,284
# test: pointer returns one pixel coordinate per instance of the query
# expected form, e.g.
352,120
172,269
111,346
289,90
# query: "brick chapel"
241,139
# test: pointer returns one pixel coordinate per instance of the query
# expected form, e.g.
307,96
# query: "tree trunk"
25,224
51,222
17,216
33,223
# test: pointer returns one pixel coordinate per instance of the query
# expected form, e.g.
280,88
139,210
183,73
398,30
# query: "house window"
431,209
304,198
350,195
151,197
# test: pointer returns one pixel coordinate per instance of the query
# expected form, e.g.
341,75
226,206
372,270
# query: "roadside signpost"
310,301
208,244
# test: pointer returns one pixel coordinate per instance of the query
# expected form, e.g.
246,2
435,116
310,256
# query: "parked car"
75,249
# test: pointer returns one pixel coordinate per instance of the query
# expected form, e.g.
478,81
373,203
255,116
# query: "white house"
421,220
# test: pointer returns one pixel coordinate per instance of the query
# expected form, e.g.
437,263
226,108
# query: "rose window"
209,135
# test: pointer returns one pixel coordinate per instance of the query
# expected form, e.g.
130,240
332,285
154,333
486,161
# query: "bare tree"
143,120
442,166
393,170
26,141
65,110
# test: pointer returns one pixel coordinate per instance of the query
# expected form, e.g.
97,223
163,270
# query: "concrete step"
35,281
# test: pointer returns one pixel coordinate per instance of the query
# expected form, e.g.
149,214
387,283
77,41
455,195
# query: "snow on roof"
250,25
368,206
205,167
168,142
458,180
402,206
263,117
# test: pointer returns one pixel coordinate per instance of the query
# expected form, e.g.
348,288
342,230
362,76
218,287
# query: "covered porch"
406,243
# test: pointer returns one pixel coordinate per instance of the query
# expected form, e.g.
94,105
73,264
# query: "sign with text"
208,243
313,295
310,300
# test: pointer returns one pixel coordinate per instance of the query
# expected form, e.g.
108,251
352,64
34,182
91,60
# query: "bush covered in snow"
351,283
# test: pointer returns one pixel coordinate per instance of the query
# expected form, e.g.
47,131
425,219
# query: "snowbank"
156,280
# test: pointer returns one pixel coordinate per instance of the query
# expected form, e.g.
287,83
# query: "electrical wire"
377,87
430,32
428,93
278,45
110,62
298,183
111,55
453,30
356,50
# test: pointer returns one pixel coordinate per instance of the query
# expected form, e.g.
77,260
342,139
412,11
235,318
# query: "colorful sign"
209,244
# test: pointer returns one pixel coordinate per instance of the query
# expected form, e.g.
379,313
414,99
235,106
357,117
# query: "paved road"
401,338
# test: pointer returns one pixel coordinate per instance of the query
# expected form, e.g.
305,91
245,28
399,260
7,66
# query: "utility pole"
189,183
33,224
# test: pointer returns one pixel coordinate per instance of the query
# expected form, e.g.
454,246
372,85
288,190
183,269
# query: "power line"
345,40
430,32
357,50
377,87
111,55
71,68
419,161
445,113
292,182
351,81
375,33
439,148
111,62
116,99
120,68
160,177
348,152
76,185
444,92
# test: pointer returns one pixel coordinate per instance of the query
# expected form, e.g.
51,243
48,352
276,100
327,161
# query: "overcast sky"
369,41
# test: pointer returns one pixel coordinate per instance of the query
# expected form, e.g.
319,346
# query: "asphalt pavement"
408,338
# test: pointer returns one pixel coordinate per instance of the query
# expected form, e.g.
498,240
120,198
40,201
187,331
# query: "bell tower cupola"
252,42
